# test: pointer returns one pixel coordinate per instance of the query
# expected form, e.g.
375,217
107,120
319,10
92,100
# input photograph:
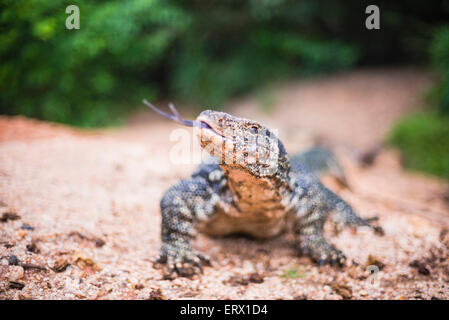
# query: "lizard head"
252,157
238,144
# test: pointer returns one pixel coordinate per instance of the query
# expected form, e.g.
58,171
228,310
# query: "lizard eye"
253,129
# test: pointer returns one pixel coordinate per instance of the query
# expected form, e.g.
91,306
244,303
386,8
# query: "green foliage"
440,60
203,51
424,138
293,273
262,58
89,76
424,141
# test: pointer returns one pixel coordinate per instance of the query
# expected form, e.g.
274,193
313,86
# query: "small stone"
178,282
139,286
26,227
99,243
13,260
9,216
156,295
236,280
16,285
343,290
422,268
255,278
15,273
247,266
85,263
363,293
424,271
32,247
22,233
25,296
60,265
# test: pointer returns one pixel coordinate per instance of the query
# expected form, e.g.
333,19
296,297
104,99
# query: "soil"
79,211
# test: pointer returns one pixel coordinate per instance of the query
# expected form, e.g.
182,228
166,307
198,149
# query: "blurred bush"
89,76
440,61
423,140
203,51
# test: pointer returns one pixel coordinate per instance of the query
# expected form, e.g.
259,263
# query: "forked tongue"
174,117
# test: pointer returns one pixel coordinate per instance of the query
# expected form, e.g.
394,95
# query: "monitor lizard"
250,185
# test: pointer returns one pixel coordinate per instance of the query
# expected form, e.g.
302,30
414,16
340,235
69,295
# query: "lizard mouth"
200,122
204,125
207,126
176,117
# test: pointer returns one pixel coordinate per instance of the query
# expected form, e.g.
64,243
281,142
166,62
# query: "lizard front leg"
311,211
181,207
313,243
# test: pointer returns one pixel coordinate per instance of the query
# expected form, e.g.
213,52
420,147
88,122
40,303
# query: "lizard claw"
198,265
160,259
339,261
378,230
322,252
183,262
204,259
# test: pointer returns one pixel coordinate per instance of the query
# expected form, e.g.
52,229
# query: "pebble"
248,266
13,260
26,227
363,293
15,273
22,233
178,282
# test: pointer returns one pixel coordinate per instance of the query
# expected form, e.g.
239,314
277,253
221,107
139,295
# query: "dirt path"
84,206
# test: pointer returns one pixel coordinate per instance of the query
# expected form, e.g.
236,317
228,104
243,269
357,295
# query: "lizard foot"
321,251
355,221
376,228
181,261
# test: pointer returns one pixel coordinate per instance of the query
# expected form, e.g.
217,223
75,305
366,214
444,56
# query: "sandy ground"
79,216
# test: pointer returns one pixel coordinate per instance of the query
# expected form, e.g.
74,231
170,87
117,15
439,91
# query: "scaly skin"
251,186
